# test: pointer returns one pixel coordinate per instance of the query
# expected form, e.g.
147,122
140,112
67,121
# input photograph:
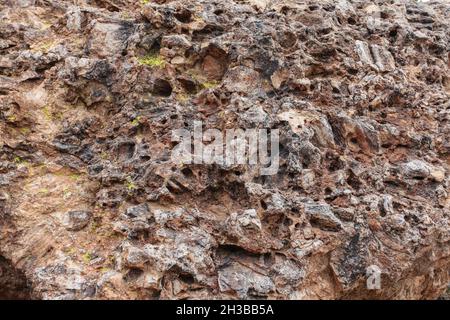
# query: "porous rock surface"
91,207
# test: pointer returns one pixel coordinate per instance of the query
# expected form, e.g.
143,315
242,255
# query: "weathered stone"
247,220
417,169
386,205
76,220
242,79
91,93
139,211
321,215
135,257
74,19
241,280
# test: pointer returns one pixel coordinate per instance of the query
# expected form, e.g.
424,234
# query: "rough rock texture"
91,207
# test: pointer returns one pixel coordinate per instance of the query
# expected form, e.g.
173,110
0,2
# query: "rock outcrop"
93,207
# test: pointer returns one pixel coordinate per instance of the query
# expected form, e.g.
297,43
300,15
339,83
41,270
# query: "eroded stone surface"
91,207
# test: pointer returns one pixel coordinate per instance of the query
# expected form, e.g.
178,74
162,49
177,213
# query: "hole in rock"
263,205
351,20
162,88
183,15
187,172
126,150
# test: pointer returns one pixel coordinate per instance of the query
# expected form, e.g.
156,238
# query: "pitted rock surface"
91,207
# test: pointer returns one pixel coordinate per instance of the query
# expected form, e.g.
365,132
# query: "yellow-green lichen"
70,251
104,155
152,60
125,15
47,113
129,184
75,176
87,257
201,79
94,227
11,118
25,131
44,47
105,269
44,191
20,162
182,97
46,25
136,121
209,84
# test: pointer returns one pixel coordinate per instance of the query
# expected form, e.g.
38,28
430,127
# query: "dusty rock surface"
91,207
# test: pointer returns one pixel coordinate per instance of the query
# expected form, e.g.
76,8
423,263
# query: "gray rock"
74,18
382,58
247,220
397,222
135,257
139,211
386,205
320,214
76,220
241,280
416,169
24,3
176,41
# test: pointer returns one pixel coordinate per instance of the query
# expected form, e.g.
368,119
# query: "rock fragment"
322,216
76,220
417,169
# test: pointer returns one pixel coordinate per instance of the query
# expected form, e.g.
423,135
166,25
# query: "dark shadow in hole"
183,15
162,88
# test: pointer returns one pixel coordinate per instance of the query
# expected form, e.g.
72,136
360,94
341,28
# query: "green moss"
152,60
145,2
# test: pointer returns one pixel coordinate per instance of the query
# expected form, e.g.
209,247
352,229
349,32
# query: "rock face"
92,207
